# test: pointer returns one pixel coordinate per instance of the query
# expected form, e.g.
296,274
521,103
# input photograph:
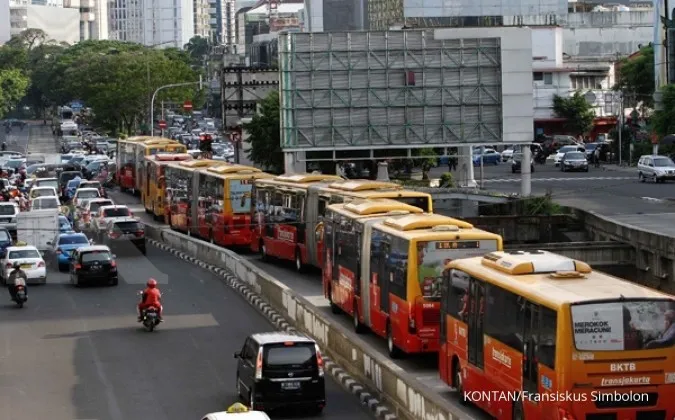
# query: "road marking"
585,178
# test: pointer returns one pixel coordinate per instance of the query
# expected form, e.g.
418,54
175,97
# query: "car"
47,182
31,263
489,156
94,184
93,264
63,245
42,192
267,358
6,240
105,214
507,154
83,194
64,178
561,152
42,203
13,165
8,212
121,232
574,161
655,167
237,411
64,224
89,209
516,163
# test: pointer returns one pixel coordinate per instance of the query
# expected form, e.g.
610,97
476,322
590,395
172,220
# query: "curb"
377,408
654,200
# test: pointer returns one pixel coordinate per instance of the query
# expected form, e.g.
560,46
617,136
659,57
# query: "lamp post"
173,85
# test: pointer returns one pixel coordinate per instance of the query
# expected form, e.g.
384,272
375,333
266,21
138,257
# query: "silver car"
574,161
657,168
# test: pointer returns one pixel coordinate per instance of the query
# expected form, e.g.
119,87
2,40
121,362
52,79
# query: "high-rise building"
4,21
201,18
335,15
160,23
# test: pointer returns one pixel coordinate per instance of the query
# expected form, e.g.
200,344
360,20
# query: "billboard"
404,89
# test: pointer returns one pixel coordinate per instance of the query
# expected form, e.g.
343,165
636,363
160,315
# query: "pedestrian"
596,157
452,161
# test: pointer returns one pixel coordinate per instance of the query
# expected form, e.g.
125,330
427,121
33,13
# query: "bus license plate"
290,386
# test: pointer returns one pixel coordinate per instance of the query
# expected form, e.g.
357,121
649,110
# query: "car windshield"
77,159
7,210
96,256
663,162
14,163
47,183
42,192
24,253
87,194
4,236
567,149
73,240
295,356
93,207
90,184
45,203
575,155
120,212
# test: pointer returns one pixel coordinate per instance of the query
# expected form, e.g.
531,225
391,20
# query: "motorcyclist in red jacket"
152,298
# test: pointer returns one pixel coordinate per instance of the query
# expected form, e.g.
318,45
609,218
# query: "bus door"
531,320
192,202
475,322
363,288
329,259
148,172
313,225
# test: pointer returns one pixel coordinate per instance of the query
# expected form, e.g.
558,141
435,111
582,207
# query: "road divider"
389,392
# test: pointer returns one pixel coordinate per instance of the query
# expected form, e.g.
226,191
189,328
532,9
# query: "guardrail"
405,395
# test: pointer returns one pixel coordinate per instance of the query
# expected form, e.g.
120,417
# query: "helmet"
152,283
17,265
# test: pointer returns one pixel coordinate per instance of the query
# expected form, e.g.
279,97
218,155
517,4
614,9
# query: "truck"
37,227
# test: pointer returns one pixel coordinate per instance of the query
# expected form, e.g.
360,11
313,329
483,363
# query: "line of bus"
153,183
130,155
212,200
562,341
384,262
288,212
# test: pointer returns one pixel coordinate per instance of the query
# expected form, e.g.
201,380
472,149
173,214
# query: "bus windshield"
624,325
421,203
433,256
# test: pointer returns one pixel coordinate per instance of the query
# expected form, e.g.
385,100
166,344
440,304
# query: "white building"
4,21
334,15
201,18
161,23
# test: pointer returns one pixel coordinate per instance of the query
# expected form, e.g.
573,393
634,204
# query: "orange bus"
222,204
303,198
153,193
179,178
537,335
130,154
150,147
385,271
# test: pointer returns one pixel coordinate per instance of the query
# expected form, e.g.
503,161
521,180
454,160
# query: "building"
201,18
221,21
167,23
334,15
5,24
68,21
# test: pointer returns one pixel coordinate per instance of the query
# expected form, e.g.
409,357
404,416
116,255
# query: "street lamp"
173,85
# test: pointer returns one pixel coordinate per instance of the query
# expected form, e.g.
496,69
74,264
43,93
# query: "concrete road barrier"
405,395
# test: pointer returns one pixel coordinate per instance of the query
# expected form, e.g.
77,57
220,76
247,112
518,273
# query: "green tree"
663,121
265,135
576,111
197,48
13,85
636,79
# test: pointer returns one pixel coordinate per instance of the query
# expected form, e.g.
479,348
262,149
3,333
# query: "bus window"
504,318
323,202
398,268
456,297
379,249
547,336
348,255
419,202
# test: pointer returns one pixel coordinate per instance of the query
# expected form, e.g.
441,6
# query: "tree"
28,39
576,111
663,120
265,135
197,48
636,79
13,87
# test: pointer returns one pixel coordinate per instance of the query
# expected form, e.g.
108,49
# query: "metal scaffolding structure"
396,89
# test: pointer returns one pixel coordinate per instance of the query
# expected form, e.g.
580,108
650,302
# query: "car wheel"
513,171
63,267
641,177
114,281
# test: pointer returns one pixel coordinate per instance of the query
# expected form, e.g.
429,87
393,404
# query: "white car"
31,263
106,214
656,168
90,210
507,154
82,194
8,212
42,192
561,152
42,203
46,182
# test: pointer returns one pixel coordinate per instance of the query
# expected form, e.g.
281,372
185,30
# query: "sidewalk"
612,167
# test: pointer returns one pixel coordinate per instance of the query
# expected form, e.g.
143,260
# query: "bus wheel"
358,327
333,307
299,266
518,413
394,352
457,380
211,235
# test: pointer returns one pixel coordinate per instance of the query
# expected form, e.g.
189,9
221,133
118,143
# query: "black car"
125,231
93,264
574,161
516,162
280,370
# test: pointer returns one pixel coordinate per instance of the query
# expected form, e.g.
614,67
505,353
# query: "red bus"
289,210
385,270
131,155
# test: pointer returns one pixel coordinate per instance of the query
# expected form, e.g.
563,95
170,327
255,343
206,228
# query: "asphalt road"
80,354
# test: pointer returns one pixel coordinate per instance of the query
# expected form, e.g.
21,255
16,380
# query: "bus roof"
229,168
306,178
198,163
377,207
431,227
153,141
550,279
169,157
358,185
427,221
135,139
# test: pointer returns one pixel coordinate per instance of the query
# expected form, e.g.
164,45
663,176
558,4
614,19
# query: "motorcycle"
540,159
21,297
150,319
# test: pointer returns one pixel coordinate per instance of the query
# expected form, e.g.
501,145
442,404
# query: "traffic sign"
162,124
187,105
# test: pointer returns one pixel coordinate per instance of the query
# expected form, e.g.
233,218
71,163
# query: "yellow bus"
308,195
574,343
387,272
130,155
153,192
152,147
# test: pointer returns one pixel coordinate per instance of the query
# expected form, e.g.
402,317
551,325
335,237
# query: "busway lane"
424,368
78,353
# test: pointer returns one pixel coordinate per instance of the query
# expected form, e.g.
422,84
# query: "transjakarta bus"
153,193
387,272
130,154
153,146
179,181
289,210
572,342
220,202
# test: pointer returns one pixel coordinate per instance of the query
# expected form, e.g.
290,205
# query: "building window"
538,76
545,77
548,78
586,82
